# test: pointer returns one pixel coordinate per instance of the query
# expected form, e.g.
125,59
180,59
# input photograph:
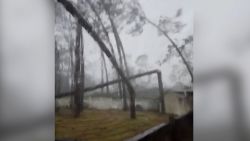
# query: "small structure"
178,101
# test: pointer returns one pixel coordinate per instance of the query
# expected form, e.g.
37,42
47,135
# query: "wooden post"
161,92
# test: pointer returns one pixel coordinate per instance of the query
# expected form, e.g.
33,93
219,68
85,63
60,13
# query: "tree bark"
74,11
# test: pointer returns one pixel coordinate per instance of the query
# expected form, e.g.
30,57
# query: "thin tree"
121,86
82,73
120,49
106,35
104,69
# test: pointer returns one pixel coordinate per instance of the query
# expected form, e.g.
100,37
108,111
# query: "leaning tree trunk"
122,57
106,72
117,36
106,35
102,25
74,11
122,60
121,86
102,71
175,46
118,44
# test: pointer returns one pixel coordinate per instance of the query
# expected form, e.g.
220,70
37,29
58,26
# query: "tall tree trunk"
121,53
122,60
77,72
106,72
118,44
107,38
175,46
71,8
125,59
71,75
102,70
82,74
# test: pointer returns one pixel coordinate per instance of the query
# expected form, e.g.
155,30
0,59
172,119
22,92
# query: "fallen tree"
160,84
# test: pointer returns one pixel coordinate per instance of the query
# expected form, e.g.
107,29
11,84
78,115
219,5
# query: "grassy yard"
99,125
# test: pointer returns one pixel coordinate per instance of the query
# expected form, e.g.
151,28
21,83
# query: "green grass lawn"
101,125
